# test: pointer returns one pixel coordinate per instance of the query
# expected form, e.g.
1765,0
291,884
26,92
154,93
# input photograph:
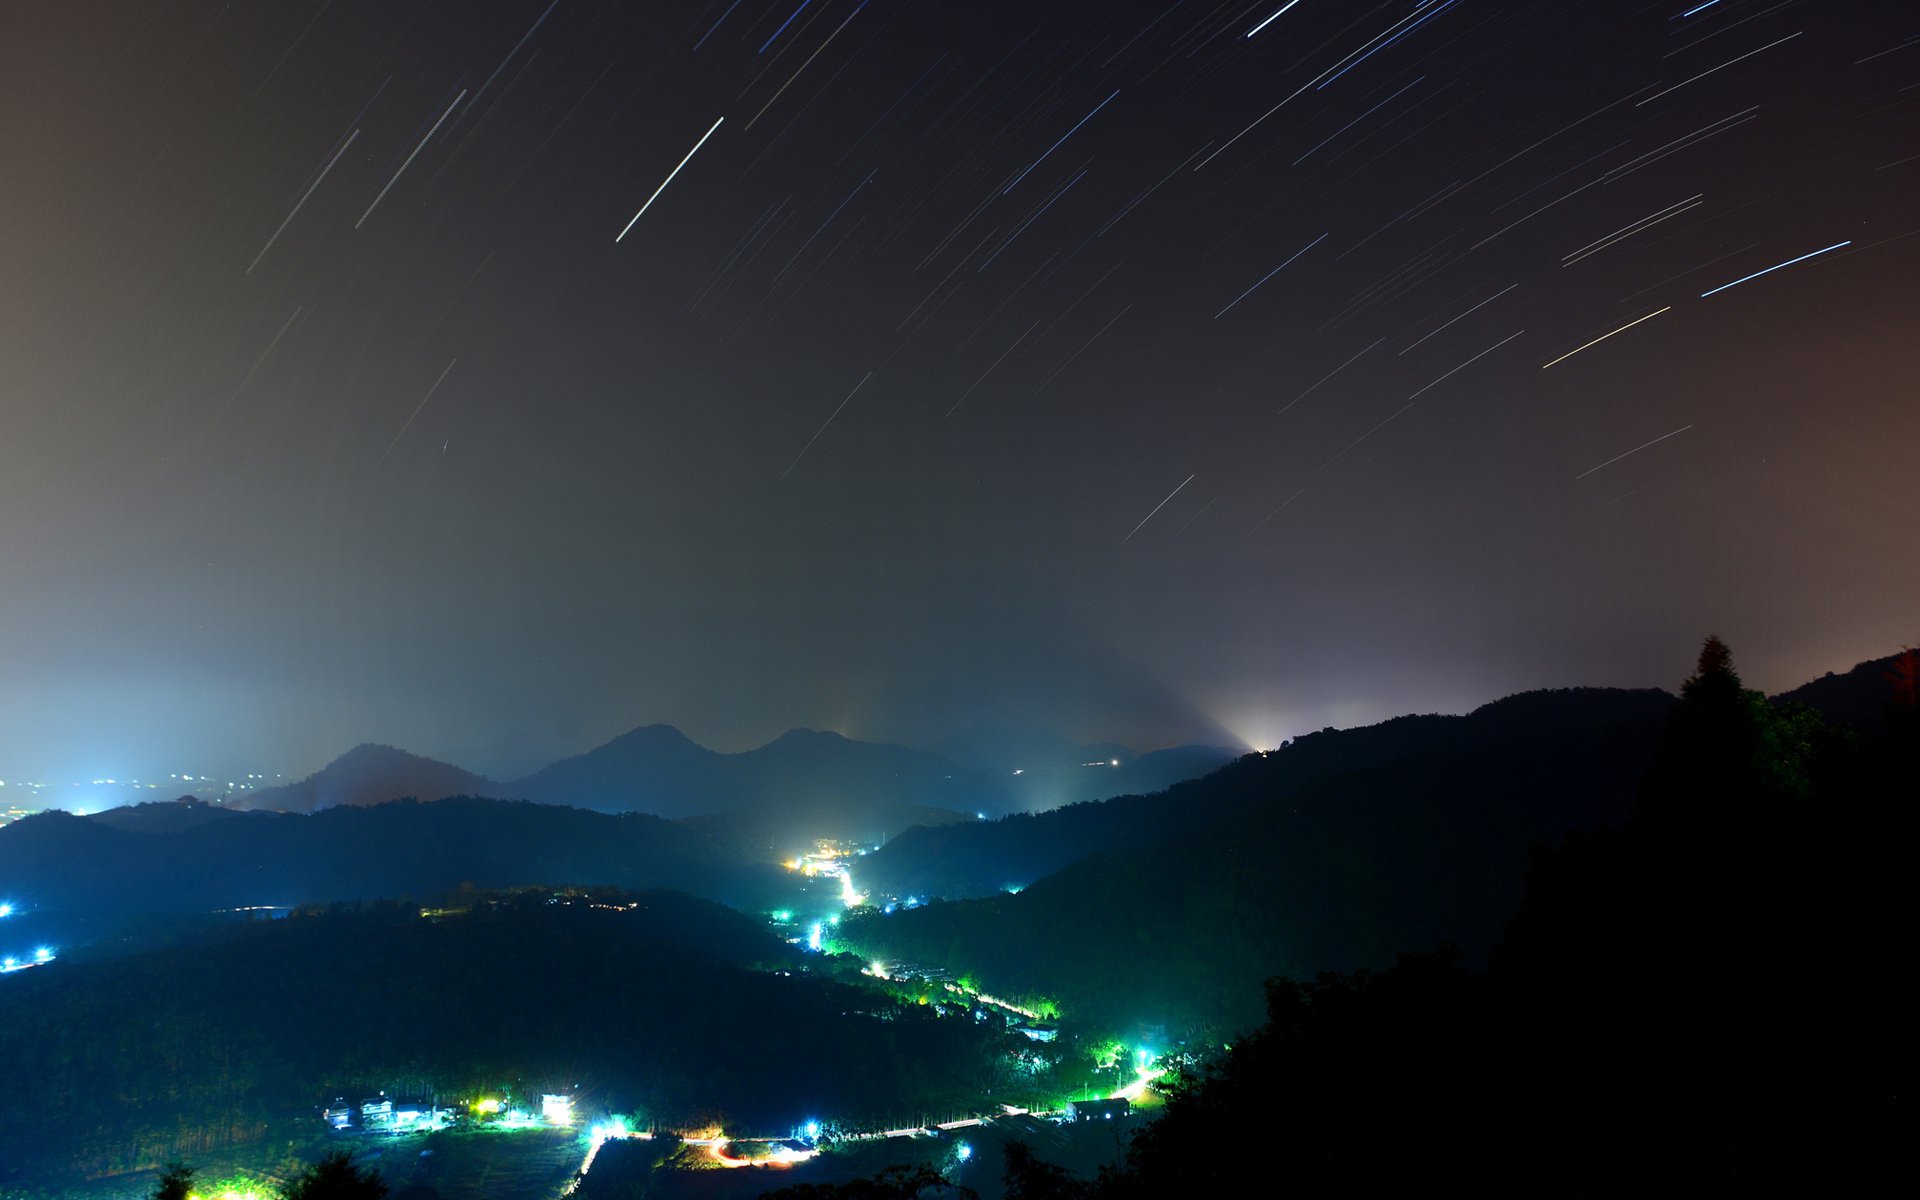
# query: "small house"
1098,1110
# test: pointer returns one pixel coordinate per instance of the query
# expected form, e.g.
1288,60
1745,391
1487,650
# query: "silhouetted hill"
644,1002
402,848
1336,851
1856,697
163,816
654,768
370,774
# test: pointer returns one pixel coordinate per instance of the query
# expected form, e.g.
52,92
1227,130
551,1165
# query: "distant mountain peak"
374,752
656,734
801,735
371,773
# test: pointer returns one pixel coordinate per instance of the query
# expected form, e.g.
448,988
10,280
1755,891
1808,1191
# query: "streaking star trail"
669,179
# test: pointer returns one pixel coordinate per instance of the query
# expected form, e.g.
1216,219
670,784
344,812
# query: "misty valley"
836,957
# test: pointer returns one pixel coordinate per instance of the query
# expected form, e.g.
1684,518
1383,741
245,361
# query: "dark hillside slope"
1294,867
979,860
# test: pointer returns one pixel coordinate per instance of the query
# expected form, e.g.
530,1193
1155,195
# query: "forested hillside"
403,848
649,1003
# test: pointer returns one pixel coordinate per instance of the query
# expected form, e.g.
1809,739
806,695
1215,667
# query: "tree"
335,1177
1028,1178
1905,677
176,1183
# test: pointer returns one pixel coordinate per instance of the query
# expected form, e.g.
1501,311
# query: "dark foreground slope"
1704,1004
654,1010
59,862
959,862
1333,853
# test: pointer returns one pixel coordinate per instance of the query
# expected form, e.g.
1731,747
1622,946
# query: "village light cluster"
379,1114
41,956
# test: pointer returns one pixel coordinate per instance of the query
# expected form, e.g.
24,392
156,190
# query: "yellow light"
486,1106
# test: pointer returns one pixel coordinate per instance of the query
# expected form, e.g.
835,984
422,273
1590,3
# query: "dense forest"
654,1004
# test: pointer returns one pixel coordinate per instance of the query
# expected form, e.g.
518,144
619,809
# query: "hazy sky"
1135,369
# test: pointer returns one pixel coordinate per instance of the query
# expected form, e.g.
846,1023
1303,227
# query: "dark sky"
334,407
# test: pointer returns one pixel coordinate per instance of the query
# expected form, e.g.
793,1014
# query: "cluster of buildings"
1098,1110
382,1114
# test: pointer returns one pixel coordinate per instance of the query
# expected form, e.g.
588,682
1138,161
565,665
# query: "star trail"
425,372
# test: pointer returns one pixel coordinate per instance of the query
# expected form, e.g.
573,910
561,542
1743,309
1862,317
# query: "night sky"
1119,367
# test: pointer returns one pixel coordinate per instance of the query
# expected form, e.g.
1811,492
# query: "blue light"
813,1129
1770,270
783,25
963,1152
